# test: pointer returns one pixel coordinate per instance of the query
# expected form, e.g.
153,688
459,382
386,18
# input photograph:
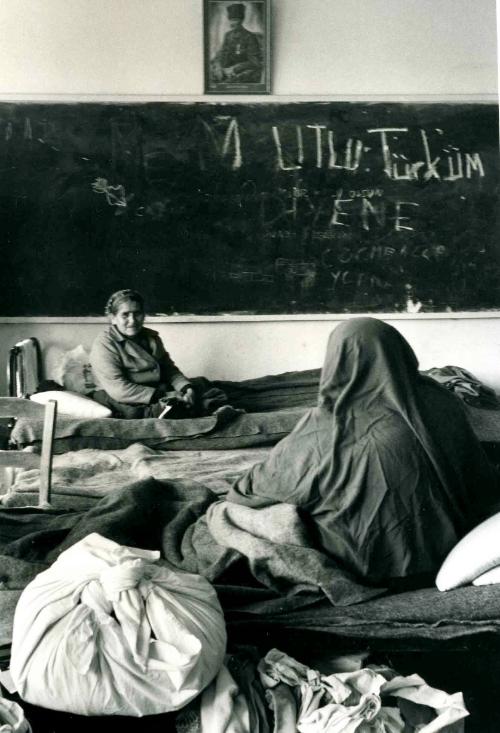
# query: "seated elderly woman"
386,472
136,375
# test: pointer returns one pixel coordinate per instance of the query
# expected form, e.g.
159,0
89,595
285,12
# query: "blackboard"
249,208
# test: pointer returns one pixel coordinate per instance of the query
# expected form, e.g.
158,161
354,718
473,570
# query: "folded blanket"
204,433
273,392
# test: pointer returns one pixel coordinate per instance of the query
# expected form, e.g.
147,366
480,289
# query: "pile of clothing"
465,386
281,695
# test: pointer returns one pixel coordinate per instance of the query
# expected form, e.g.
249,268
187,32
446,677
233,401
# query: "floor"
475,672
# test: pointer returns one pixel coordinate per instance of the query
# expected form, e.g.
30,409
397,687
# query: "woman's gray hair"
115,300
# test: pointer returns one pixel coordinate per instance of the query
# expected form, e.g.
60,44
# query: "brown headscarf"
386,470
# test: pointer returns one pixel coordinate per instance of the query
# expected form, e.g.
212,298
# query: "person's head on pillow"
125,310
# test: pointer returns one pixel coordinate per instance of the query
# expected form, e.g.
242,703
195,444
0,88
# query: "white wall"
320,47
245,349
338,49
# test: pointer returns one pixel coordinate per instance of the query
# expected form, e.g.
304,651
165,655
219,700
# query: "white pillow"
489,577
70,403
475,554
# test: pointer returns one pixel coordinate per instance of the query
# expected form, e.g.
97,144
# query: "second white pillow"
475,554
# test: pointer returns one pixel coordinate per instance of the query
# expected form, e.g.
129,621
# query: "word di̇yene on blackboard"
253,208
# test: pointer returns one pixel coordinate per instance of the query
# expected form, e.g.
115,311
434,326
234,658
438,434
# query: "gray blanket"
417,617
203,433
245,431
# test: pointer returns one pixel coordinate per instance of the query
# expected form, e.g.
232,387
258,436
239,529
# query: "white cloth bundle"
106,630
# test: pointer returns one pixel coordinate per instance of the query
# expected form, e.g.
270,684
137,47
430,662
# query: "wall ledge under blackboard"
479,98
272,318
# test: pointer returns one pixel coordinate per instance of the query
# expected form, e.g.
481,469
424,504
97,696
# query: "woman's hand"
189,397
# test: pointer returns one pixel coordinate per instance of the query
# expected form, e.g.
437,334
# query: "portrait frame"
237,46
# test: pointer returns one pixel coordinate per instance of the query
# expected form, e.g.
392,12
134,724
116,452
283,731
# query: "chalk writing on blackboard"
115,195
254,208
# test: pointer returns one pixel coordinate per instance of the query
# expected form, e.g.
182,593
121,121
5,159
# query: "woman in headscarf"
386,470
136,374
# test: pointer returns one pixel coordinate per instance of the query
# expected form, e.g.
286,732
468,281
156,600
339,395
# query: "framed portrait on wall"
237,46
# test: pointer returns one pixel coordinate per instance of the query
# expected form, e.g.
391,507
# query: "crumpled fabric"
12,718
224,708
106,630
368,700
466,386
234,702
276,544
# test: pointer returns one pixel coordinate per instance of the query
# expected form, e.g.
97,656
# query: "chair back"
11,409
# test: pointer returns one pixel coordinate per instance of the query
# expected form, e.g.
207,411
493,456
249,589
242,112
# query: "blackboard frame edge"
70,98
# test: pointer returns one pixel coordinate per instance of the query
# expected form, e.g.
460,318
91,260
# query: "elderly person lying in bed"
386,471
137,376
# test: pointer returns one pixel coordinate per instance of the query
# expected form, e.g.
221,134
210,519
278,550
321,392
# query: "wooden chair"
10,410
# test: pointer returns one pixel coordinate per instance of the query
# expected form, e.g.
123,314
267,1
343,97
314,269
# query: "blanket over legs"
265,548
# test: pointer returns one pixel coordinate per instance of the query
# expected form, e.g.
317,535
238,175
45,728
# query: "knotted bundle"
106,630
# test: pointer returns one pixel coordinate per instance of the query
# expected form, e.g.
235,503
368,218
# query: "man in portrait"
239,58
